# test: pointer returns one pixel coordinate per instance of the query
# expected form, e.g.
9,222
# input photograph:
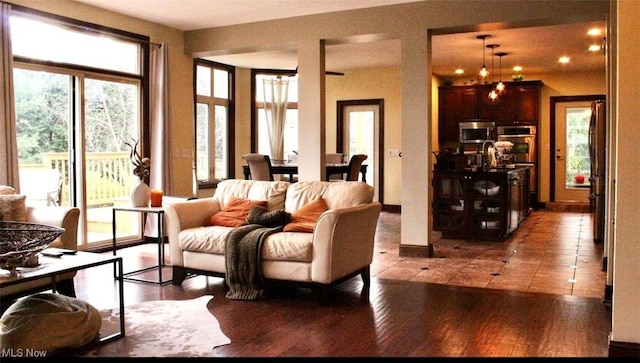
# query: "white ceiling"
536,49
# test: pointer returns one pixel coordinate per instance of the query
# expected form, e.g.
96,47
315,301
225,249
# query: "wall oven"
475,132
523,150
524,142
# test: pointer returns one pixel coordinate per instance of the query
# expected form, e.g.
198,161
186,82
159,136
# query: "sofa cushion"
13,208
282,246
336,194
234,213
304,219
272,192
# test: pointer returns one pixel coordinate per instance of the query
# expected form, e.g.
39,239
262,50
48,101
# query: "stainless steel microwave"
476,132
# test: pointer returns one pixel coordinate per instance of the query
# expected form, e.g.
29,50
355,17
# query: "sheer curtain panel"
276,93
160,130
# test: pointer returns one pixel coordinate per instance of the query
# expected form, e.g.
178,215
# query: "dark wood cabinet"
527,104
518,105
448,102
468,104
455,104
479,205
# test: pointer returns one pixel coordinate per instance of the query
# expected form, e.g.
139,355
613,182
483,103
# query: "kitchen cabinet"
479,205
518,105
448,101
455,104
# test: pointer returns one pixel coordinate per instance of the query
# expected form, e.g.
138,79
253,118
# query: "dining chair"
354,166
334,158
259,166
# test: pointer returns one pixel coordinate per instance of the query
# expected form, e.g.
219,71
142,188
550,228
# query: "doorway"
360,130
569,164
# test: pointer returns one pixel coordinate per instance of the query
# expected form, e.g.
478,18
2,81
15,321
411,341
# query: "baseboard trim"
575,207
608,295
416,251
624,349
391,208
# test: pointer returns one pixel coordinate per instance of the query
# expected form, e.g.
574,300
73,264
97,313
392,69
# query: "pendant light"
493,95
484,73
500,87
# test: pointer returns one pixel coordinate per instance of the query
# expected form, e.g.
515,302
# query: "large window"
261,128
214,131
80,92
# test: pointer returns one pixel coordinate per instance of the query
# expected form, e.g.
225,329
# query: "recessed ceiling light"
594,31
517,68
459,71
564,60
594,48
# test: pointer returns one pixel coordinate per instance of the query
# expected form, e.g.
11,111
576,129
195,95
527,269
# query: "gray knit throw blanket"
243,248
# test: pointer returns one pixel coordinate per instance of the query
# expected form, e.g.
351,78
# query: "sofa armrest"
343,241
63,217
179,216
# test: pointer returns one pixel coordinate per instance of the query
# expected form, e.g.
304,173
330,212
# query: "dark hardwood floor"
394,318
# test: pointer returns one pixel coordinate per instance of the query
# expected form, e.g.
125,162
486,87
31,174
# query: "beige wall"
362,84
626,101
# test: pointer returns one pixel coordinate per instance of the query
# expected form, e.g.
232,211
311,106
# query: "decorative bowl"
486,187
489,224
19,241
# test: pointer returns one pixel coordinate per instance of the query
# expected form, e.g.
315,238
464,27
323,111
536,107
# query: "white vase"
140,194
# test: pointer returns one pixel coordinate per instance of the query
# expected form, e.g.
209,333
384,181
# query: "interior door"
360,127
572,167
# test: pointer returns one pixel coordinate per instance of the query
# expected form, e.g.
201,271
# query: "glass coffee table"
52,267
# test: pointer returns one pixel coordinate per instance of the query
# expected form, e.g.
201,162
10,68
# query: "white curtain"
160,129
276,94
9,174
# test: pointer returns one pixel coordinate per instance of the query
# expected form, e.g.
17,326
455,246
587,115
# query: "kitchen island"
485,205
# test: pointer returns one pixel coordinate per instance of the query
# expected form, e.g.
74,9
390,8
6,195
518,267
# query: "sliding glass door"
71,131
79,96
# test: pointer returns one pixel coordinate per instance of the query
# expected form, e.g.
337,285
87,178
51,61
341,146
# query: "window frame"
78,74
75,24
254,103
229,103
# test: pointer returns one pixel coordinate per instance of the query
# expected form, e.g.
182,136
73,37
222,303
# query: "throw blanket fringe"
243,248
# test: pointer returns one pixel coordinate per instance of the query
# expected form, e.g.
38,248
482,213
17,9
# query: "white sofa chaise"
340,246
58,216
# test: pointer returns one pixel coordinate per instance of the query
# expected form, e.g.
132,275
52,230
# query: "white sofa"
340,247
59,216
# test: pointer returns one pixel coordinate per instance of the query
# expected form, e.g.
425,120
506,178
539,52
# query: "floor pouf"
48,323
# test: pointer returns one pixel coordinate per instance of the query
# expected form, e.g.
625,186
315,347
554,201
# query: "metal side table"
159,211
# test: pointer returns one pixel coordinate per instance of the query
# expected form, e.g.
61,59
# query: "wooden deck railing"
108,176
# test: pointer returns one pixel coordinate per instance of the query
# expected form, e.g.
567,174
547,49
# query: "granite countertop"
506,170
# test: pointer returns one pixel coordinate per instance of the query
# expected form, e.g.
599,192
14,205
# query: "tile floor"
551,252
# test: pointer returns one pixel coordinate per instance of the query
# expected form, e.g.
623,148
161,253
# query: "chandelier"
500,87
493,95
484,73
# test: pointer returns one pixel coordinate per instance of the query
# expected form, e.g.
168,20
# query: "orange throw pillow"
304,219
234,213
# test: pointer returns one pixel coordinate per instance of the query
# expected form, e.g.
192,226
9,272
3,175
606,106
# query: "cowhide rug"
164,328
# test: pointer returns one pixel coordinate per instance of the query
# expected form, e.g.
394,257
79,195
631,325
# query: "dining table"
291,169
